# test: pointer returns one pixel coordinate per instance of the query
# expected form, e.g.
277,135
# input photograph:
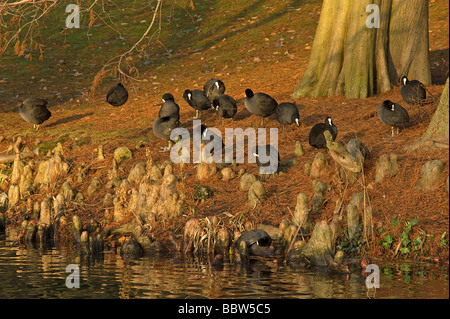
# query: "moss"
46,146
202,192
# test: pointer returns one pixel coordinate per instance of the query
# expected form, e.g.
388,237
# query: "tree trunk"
437,133
349,58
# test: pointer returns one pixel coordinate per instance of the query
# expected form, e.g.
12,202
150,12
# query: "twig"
296,233
120,57
293,238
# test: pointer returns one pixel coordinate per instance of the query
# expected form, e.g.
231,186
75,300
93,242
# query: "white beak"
189,96
296,121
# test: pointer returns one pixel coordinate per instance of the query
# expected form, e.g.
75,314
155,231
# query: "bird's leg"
282,127
165,149
198,114
222,121
398,130
392,131
262,121
37,127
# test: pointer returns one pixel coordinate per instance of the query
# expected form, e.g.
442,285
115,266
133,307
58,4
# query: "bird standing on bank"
225,106
393,114
34,111
162,128
413,92
287,113
198,100
260,104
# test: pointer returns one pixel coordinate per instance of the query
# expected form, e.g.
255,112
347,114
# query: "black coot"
316,137
393,114
225,106
169,107
260,104
34,111
198,100
208,136
267,158
214,88
257,241
117,95
287,113
413,91
162,128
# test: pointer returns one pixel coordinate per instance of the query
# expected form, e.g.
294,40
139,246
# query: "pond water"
37,273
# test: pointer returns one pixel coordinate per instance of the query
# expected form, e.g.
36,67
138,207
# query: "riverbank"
272,63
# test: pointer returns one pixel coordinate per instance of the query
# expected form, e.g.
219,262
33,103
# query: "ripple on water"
38,273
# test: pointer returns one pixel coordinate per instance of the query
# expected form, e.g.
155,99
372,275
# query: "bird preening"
34,111
214,88
316,137
162,128
117,95
198,100
413,92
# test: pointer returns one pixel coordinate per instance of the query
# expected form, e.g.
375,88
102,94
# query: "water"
37,273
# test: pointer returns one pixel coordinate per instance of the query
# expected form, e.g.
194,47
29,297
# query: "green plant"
395,221
443,241
404,236
352,245
417,243
202,192
405,245
387,241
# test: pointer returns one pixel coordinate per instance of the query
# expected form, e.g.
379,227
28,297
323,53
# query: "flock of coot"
34,110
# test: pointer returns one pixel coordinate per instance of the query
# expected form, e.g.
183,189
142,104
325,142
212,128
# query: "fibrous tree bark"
353,56
437,133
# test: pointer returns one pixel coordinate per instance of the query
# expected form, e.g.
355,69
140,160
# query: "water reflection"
40,273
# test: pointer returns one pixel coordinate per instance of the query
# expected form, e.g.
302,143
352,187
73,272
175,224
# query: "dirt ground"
276,71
